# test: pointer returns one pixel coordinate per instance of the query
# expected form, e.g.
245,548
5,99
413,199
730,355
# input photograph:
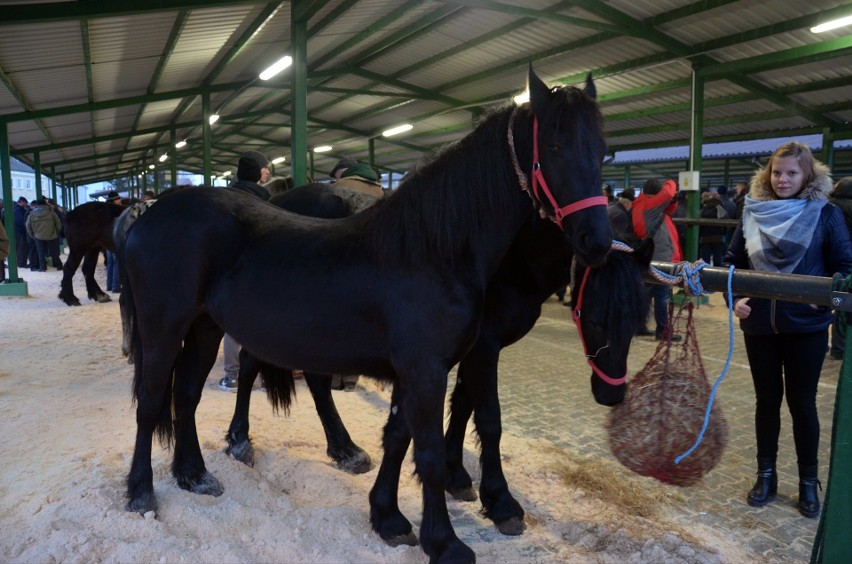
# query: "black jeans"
791,363
50,247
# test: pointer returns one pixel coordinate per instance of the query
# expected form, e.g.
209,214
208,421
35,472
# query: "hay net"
663,412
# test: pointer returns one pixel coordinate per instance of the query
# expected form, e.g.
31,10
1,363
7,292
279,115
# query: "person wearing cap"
252,171
44,226
357,176
253,168
113,278
22,245
618,212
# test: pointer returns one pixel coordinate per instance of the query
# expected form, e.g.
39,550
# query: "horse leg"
422,407
90,262
459,483
345,453
385,517
481,383
239,444
201,346
66,292
153,368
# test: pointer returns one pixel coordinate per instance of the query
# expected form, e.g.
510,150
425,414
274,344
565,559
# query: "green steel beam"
57,11
542,14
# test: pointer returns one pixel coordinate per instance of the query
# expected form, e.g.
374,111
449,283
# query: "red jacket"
648,211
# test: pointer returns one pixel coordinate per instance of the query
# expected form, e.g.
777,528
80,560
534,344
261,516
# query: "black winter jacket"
830,252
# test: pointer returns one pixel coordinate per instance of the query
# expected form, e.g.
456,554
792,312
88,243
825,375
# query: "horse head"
564,140
609,303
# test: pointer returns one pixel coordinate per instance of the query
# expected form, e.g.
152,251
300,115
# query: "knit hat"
344,163
652,186
113,195
249,166
628,193
22,200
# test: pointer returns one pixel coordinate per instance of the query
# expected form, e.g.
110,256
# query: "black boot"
808,498
766,485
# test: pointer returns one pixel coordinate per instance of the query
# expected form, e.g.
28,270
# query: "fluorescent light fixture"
152,167
140,175
163,157
213,118
226,173
180,144
833,24
276,67
522,98
397,130
278,160
322,149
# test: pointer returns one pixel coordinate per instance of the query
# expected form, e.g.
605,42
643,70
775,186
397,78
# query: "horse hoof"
463,494
103,298
513,527
356,464
143,504
409,539
206,484
242,451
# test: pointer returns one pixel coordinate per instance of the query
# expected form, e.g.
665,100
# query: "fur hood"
817,189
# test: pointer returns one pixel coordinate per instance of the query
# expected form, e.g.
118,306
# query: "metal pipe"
819,290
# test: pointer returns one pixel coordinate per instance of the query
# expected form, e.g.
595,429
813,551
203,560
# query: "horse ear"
538,90
590,88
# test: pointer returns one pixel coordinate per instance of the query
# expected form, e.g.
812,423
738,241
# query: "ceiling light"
833,24
151,166
278,160
213,118
163,157
276,67
397,130
522,98
226,173
180,144
322,149
140,175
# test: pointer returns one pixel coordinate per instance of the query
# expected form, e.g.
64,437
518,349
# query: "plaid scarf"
778,232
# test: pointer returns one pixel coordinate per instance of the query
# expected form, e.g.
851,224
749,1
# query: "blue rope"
724,370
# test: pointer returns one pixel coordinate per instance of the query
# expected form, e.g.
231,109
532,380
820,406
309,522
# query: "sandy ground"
68,427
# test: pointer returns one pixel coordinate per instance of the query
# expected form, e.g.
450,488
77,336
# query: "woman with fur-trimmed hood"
788,227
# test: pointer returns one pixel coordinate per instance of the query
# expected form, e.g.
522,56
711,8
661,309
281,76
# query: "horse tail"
280,386
121,228
164,427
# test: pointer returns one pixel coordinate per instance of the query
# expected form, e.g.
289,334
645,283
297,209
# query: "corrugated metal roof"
449,60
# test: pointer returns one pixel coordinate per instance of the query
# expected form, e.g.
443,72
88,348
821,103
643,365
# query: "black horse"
538,263
88,230
346,296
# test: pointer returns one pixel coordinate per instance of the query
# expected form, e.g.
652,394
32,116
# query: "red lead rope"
575,314
538,178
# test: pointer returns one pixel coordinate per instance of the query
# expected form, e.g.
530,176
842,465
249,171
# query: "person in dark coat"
711,238
842,198
43,226
22,246
788,227
618,212
252,168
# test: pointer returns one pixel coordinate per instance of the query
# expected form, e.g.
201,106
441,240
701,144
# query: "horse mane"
448,199
621,273
452,196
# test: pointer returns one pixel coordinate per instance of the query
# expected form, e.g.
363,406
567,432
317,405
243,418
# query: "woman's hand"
741,308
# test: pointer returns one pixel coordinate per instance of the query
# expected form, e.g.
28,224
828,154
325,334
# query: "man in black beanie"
252,169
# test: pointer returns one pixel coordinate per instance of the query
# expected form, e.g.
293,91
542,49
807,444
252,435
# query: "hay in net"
663,412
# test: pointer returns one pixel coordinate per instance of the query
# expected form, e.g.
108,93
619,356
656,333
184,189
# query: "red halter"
559,213
575,314
538,178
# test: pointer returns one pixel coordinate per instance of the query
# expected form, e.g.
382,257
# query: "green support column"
207,138
828,149
13,285
173,157
627,176
53,183
371,148
37,171
693,201
299,92
727,178
313,172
